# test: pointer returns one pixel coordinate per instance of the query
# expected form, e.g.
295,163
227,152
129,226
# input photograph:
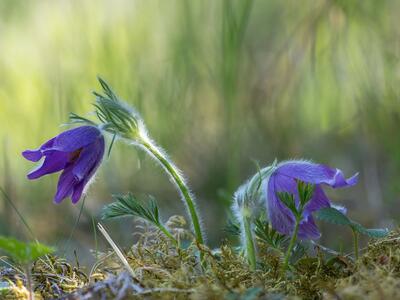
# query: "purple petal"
282,219
341,181
76,138
78,190
89,159
52,163
315,173
308,229
32,155
65,185
86,167
319,200
36,155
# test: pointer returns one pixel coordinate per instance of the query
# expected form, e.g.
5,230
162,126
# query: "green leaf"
5,286
116,116
111,145
107,89
264,232
332,215
232,227
372,233
24,252
77,119
289,201
128,205
306,191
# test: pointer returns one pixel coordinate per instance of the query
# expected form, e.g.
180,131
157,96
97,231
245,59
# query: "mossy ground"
164,272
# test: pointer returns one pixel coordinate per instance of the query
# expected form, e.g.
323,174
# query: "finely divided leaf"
232,227
77,119
107,89
128,205
264,232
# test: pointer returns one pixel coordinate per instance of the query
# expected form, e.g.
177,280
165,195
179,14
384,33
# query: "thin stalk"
117,251
291,244
75,225
7,198
250,249
28,228
96,249
355,240
184,190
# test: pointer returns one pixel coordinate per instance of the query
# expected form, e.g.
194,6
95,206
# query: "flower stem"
250,249
180,183
291,244
355,240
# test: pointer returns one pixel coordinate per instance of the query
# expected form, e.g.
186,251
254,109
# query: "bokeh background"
220,84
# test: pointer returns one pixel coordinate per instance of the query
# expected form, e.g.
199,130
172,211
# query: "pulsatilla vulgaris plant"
292,192
124,123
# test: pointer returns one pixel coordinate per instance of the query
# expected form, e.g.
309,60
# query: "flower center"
75,155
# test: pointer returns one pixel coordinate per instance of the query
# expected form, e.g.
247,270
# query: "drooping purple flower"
284,179
78,152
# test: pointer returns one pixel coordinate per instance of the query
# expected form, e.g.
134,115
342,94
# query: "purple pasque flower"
78,152
284,179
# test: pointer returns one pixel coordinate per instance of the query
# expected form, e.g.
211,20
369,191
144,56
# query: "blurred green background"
219,84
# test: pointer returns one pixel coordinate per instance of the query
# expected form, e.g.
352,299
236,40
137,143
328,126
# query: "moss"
376,274
17,291
163,271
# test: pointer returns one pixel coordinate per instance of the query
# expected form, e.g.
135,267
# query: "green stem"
250,249
291,244
181,186
168,234
355,238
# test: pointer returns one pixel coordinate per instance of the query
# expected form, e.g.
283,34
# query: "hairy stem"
180,183
250,249
291,244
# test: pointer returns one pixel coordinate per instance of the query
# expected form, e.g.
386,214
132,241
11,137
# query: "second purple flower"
284,179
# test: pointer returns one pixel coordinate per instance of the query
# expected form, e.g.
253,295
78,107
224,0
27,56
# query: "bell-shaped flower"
285,178
77,152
